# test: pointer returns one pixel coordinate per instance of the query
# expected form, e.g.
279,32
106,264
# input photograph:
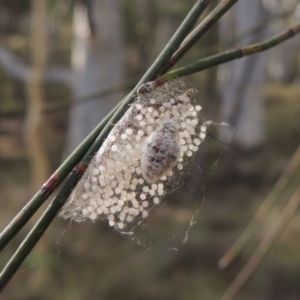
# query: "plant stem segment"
226,56
199,31
175,41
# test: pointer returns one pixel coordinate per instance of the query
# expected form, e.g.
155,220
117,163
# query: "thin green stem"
176,40
199,31
40,227
233,54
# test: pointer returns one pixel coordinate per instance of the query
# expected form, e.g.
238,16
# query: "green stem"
199,31
226,56
40,227
176,40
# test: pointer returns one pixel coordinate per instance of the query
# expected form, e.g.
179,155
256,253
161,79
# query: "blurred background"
65,64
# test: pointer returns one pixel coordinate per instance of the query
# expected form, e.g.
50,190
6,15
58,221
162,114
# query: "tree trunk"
97,62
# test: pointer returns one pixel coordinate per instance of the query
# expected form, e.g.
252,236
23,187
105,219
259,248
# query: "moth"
161,151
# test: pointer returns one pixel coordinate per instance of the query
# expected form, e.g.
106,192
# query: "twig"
199,31
290,176
263,247
176,40
229,55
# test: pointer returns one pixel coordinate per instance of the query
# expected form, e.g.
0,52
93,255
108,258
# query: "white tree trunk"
97,62
243,107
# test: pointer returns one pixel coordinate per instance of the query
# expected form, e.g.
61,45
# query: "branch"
17,69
